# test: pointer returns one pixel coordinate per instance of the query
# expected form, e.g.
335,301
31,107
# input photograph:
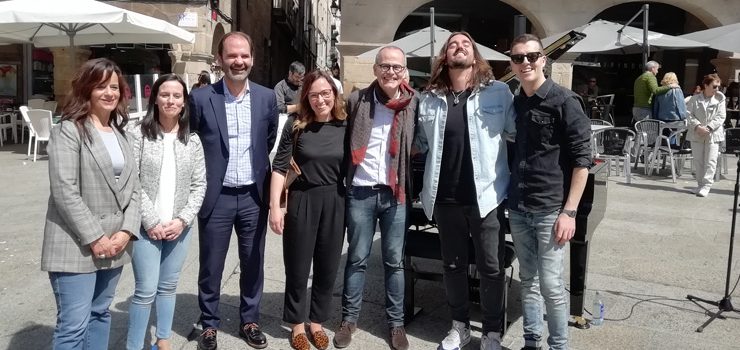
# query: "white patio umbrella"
725,38
604,37
417,45
54,23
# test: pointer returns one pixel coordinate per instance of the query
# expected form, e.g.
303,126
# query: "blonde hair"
669,78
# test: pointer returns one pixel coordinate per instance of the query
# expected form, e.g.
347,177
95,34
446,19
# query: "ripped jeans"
457,223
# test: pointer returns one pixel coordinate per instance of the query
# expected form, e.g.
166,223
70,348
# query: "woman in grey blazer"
93,208
172,172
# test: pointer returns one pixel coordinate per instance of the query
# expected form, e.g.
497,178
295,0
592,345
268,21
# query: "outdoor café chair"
616,147
597,137
663,149
6,123
647,132
23,110
39,128
604,105
723,154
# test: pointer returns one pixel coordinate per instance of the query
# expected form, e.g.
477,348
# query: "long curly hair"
306,114
77,106
440,79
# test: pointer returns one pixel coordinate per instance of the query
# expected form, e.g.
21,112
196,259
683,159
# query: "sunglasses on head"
531,57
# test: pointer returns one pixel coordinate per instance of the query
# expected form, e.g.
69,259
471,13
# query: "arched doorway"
218,33
615,74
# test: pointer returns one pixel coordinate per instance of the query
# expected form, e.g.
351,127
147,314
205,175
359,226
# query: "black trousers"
456,224
314,232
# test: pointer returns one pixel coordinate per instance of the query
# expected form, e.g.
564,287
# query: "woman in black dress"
313,227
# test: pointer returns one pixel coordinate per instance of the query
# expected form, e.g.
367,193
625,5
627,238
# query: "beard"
233,73
460,64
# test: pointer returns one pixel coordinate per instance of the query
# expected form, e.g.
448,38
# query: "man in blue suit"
236,120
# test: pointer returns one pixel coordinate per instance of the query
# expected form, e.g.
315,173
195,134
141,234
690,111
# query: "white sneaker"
490,341
703,192
457,337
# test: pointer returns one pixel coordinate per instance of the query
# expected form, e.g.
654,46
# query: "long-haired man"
464,116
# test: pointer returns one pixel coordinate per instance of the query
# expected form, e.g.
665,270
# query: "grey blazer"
190,184
86,201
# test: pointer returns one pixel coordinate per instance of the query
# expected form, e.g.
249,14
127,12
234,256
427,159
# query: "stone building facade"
367,24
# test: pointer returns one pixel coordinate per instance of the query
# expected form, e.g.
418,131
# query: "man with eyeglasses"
380,128
549,169
646,86
464,118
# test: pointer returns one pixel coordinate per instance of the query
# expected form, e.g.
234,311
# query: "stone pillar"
189,60
357,73
562,73
66,62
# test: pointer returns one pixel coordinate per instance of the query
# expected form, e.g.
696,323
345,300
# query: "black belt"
239,189
376,187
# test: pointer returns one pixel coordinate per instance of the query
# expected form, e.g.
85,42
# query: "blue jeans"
365,207
541,274
83,299
155,285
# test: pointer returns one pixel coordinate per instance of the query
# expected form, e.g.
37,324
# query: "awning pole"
431,38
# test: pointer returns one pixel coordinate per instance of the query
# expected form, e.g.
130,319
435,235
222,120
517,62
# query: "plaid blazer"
86,201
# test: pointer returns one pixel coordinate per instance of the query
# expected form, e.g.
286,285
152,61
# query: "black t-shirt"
320,153
456,184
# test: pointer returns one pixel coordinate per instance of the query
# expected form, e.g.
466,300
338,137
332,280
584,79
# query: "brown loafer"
320,340
299,342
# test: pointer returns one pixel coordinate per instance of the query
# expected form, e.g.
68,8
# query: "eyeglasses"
592,81
385,67
531,57
715,87
325,94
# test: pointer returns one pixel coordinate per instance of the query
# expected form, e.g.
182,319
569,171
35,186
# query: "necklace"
457,97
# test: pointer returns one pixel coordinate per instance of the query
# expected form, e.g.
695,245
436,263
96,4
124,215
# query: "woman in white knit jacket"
705,119
173,183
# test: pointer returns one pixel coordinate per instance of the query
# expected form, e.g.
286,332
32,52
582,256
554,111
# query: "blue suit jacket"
208,119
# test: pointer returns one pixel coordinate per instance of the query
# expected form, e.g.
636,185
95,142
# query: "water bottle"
598,311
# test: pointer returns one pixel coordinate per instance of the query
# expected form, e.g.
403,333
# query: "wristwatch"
570,213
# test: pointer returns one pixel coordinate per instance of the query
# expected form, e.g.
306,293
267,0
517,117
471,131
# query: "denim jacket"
669,107
490,116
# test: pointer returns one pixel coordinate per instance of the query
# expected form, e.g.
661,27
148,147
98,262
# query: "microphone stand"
724,305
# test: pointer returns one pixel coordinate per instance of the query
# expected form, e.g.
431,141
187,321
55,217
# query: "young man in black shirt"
548,174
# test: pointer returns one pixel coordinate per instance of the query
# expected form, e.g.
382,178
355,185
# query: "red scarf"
401,131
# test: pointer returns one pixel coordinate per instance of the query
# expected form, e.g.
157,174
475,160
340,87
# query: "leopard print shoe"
300,342
320,340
